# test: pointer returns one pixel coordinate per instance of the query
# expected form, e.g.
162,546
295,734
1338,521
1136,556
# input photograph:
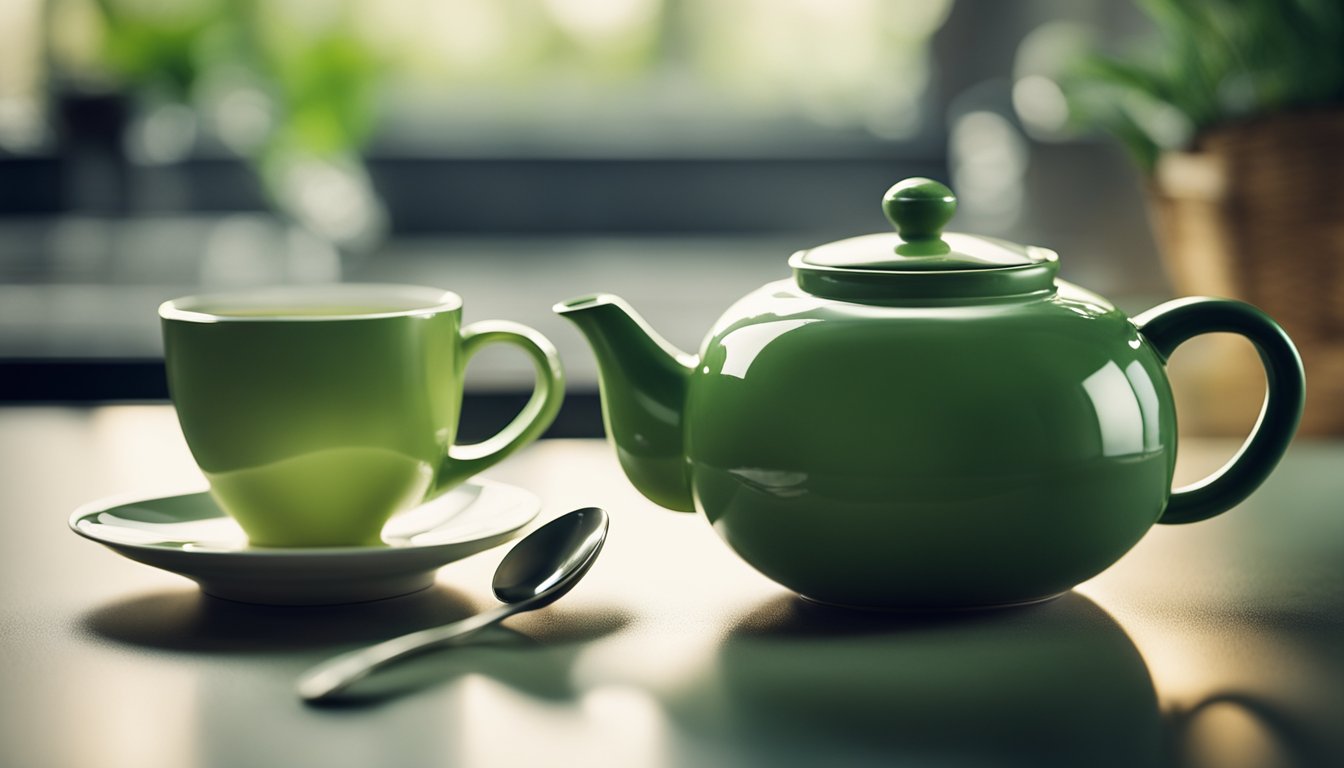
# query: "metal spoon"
541,568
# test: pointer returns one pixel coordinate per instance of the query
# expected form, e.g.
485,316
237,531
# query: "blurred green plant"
156,45
319,73
290,86
1212,62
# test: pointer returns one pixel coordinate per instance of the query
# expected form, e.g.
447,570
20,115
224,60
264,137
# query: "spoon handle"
335,674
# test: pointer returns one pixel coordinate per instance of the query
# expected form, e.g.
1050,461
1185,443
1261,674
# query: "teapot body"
927,420
929,457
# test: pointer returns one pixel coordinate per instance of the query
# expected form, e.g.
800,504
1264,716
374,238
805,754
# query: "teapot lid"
920,261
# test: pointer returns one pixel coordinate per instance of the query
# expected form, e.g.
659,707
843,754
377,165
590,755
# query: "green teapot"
923,420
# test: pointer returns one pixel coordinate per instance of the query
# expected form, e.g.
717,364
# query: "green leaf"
1216,60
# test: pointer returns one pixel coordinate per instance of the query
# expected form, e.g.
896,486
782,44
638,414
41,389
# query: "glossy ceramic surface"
318,412
190,535
985,443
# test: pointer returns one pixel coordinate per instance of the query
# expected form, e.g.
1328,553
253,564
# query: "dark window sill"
96,382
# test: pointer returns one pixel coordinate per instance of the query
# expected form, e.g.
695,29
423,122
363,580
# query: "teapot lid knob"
919,208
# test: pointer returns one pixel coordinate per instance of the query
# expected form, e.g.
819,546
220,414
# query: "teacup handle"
1167,326
463,461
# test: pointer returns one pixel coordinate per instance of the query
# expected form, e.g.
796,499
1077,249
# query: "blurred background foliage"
327,69
1210,62
153,148
299,87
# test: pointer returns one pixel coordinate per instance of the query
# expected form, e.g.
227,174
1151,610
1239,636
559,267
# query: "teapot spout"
643,380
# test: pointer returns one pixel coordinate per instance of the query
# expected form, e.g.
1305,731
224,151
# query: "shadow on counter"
190,621
1058,684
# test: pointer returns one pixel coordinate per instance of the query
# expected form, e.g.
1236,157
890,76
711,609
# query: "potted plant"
1237,116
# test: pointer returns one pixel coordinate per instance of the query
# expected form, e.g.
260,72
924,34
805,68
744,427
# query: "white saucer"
190,535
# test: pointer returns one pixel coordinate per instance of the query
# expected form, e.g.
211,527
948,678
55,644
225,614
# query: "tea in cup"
318,412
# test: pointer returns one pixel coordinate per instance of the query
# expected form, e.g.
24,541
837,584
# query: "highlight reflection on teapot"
921,420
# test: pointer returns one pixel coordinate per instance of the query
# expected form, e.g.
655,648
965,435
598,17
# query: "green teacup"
317,412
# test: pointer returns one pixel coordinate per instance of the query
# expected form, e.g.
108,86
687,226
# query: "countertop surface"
1214,644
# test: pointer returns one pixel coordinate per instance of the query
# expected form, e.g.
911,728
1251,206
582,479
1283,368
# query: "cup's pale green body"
315,422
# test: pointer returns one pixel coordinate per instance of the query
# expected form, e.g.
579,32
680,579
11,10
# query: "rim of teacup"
409,300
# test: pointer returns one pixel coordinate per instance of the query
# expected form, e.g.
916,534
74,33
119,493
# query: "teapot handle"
1168,325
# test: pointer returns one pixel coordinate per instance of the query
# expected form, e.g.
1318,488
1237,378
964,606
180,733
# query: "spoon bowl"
539,570
551,560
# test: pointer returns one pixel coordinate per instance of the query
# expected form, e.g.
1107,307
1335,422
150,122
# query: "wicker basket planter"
1256,212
